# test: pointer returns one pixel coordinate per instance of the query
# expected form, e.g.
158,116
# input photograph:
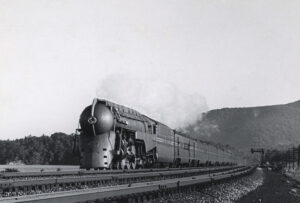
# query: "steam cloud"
159,100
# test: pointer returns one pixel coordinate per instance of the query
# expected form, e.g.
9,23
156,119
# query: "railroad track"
132,192
33,175
45,185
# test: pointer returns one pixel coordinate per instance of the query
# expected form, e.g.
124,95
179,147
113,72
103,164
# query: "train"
112,136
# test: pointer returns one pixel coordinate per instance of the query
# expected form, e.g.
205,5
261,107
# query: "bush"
11,170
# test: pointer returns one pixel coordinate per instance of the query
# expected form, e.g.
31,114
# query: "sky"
56,56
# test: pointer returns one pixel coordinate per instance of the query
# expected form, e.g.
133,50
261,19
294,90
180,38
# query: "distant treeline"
56,149
274,155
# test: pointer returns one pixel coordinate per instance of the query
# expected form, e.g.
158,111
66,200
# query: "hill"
276,126
294,104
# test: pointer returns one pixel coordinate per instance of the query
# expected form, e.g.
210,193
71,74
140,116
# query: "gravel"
277,188
226,192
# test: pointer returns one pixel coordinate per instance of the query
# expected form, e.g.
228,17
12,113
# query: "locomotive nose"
96,119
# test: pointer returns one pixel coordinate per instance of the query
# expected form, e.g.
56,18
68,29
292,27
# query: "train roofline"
143,117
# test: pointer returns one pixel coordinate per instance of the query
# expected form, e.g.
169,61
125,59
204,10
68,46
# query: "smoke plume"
159,100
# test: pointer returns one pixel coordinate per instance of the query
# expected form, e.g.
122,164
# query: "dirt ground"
277,188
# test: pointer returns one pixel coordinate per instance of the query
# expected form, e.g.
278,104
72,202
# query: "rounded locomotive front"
97,137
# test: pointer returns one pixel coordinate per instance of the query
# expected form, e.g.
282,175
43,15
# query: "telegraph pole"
289,158
298,160
294,158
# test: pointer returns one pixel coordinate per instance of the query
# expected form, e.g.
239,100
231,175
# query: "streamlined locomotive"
114,136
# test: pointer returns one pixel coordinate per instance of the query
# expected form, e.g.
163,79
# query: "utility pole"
208,160
294,156
298,160
289,158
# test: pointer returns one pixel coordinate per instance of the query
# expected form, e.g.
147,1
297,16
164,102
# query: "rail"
124,191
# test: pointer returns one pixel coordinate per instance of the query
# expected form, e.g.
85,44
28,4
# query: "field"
38,168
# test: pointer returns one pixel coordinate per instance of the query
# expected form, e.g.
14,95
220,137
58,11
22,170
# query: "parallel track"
44,185
132,190
32,175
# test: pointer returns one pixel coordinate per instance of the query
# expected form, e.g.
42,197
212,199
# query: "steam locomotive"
113,136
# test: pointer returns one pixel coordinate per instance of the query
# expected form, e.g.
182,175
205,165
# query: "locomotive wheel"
118,165
110,167
133,165
128,165
123,164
